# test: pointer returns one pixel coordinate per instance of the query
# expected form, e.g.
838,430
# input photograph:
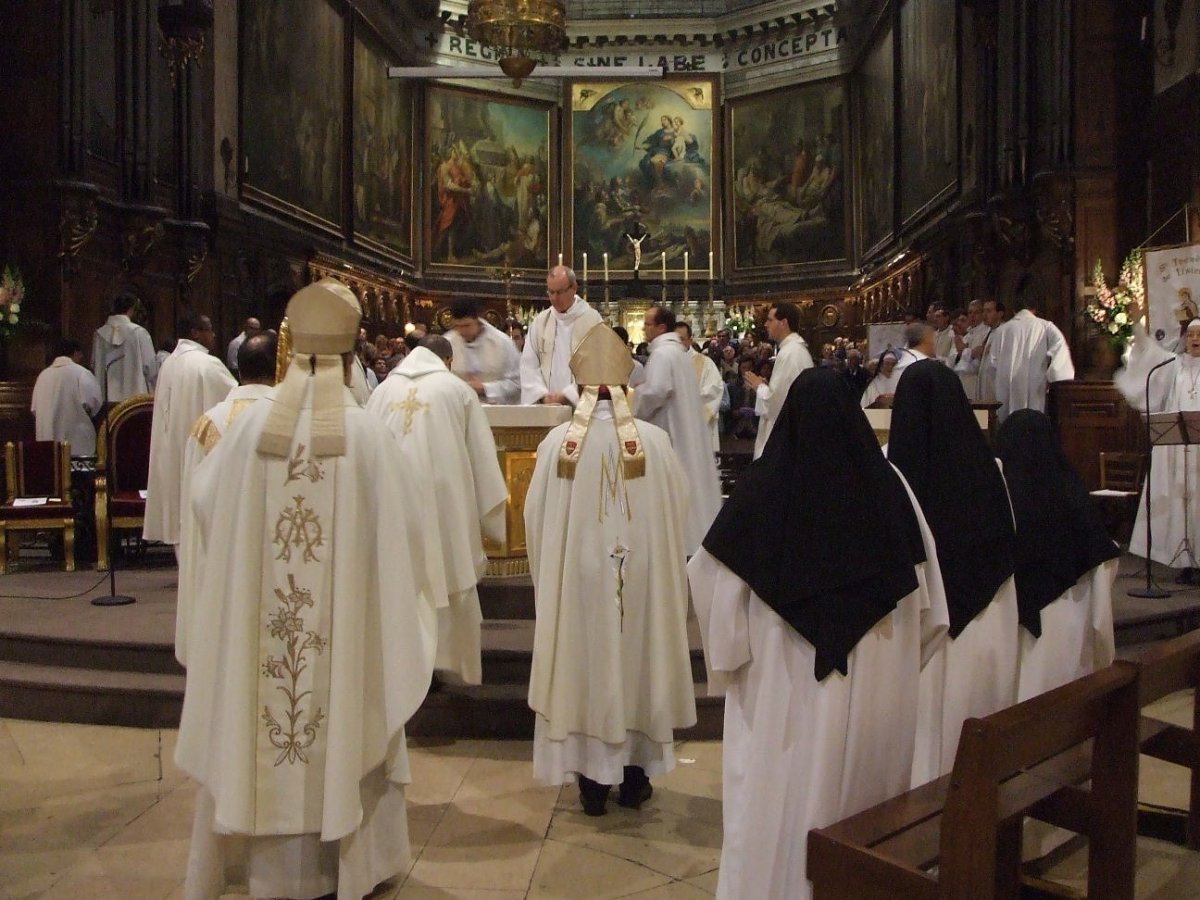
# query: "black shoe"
594,807
633,796
593,795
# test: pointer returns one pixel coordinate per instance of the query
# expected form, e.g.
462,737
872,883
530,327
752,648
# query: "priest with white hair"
315,632
604,518
553,336
446,441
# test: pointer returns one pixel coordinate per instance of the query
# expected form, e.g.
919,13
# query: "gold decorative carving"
136,244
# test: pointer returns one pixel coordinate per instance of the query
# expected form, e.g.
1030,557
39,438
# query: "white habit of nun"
546,359
191,381
879,385
798,753
670,398
492,358
611,676
123,359
1077,635
972,675
313,644
1173,467
712,389
1025,355
65,397
791,359
445,439
205,434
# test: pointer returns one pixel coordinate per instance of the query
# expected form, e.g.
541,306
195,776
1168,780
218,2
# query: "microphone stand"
1151,591
113,598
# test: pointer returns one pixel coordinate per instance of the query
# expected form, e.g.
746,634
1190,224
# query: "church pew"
1029,759
1167,668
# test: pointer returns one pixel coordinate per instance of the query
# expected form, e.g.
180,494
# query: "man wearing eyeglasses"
553,336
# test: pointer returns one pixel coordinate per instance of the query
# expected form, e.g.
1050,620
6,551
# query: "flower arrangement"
12,292
740,319
1114,310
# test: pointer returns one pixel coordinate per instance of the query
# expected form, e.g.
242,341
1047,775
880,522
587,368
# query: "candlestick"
664,265
710,266
685,266
585,268
606,267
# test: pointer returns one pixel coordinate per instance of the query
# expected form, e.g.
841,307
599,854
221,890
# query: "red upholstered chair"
40,469
122,470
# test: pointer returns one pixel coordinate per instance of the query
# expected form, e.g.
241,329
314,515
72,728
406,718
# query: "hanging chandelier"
522,32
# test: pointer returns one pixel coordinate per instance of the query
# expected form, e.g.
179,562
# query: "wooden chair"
1121,473
1029,759
1165,669
122,471
40,469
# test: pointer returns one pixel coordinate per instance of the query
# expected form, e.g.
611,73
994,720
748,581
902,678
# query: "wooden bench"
1167,668
1027,760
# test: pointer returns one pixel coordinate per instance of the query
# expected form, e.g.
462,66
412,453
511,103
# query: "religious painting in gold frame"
788,180
643,153
291,114
875,85
490,170
383,149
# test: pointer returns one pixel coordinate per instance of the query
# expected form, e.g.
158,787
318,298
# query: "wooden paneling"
1091,417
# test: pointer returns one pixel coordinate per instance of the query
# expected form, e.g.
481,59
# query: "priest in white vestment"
191,381
65,398
1065,560
256,373
314,637
815,629
484,356
445,439
1027,355
553,336
943,342
937,445
1173,485
670,399
605,518
708,378
123,359
791,358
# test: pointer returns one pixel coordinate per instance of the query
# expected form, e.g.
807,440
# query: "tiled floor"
98,812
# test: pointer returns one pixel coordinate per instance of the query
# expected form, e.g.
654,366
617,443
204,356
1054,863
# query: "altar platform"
64,660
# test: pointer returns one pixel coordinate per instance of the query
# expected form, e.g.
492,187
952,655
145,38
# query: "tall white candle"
606,267
664,265
560,259
685,266
585,267
711,277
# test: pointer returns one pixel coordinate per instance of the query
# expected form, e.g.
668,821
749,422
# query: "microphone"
1151,591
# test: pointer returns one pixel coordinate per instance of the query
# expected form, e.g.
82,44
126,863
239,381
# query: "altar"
517,431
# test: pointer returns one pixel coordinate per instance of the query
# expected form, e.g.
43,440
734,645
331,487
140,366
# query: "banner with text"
1172,289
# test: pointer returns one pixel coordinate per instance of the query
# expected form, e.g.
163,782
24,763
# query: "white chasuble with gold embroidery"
611,675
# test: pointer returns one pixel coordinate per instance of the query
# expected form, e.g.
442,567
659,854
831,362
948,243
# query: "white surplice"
492,358
972,675
943,346
611,676
880,385
791,359
65,397
313,643
670,399
1173,468
206,433
1077,635
123,359
445,439
798,753
712,389
1026,354
549,344
191,381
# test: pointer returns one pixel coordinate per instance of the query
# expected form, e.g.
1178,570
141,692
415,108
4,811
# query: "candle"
606,267
711,277
585,268
560,259
685,266
664,265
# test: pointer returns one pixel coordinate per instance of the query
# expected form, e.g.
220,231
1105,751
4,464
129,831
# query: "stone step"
506,598
81,653
90,696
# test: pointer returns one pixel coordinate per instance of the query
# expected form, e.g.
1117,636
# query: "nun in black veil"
936,442
1065,560
819,598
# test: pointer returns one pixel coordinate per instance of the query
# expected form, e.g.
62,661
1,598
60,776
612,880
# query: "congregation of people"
330,534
